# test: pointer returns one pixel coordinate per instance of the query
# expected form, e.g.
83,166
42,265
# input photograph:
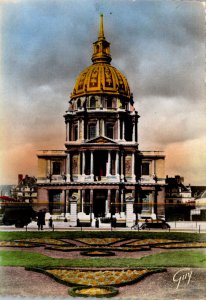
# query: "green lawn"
103,234
189,258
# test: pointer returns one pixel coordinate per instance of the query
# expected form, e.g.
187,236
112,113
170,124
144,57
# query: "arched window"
92,102
79,103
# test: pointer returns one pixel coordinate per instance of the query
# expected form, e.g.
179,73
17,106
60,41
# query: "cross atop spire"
101,28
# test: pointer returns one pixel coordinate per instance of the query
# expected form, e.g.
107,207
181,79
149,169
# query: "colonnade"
100,130
118,173
115,201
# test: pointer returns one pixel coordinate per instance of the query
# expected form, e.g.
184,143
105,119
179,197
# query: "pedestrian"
40,219
50,223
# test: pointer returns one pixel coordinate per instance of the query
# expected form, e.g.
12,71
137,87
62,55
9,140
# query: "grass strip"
189,258
102,234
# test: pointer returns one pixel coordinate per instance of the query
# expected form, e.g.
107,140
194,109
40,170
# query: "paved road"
195,227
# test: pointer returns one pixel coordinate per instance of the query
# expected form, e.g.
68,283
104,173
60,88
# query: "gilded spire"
101,52
101,28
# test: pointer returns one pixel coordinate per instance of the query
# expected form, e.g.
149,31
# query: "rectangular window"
56,200
145,169
56,168
109,103
92,131
92,103
110,131
145,203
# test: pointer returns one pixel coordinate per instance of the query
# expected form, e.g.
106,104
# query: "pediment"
101,140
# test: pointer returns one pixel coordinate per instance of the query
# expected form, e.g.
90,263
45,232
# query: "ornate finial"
101,27
101,51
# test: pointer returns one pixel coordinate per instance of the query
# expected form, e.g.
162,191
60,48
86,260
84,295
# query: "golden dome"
101,77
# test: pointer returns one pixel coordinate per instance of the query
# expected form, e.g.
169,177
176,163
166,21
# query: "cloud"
158,45
184,156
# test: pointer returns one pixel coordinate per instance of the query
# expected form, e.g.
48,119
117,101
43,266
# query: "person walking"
50,223
40,219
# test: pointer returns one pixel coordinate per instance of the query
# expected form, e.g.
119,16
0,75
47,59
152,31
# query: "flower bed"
48,241
76,277
149,242
16,244
97,292
99,241
97,253
184,245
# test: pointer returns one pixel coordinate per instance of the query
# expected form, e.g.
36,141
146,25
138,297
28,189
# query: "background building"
26,189
178,199
102,167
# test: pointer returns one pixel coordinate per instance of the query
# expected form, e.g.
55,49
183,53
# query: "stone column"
133,166
91,203
108,172
117,165
73,211
133,132
108,201
122,167
78,129
83,200
97,131
68,132
122,200
118,129
123,130
152,204
103,127
83,164
68,170
92,165
83,129
129,211
136,129
117,202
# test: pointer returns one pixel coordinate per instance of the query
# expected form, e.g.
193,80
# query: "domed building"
101,173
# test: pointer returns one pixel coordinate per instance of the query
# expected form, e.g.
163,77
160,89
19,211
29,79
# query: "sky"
158,45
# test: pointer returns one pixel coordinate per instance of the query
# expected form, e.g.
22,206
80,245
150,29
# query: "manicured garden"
99,275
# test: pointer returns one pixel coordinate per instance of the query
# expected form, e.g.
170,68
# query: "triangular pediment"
101,140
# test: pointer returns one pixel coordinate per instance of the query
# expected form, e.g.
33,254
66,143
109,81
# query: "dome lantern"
101,46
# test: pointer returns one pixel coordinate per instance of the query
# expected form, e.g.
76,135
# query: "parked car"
155,224
18,214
